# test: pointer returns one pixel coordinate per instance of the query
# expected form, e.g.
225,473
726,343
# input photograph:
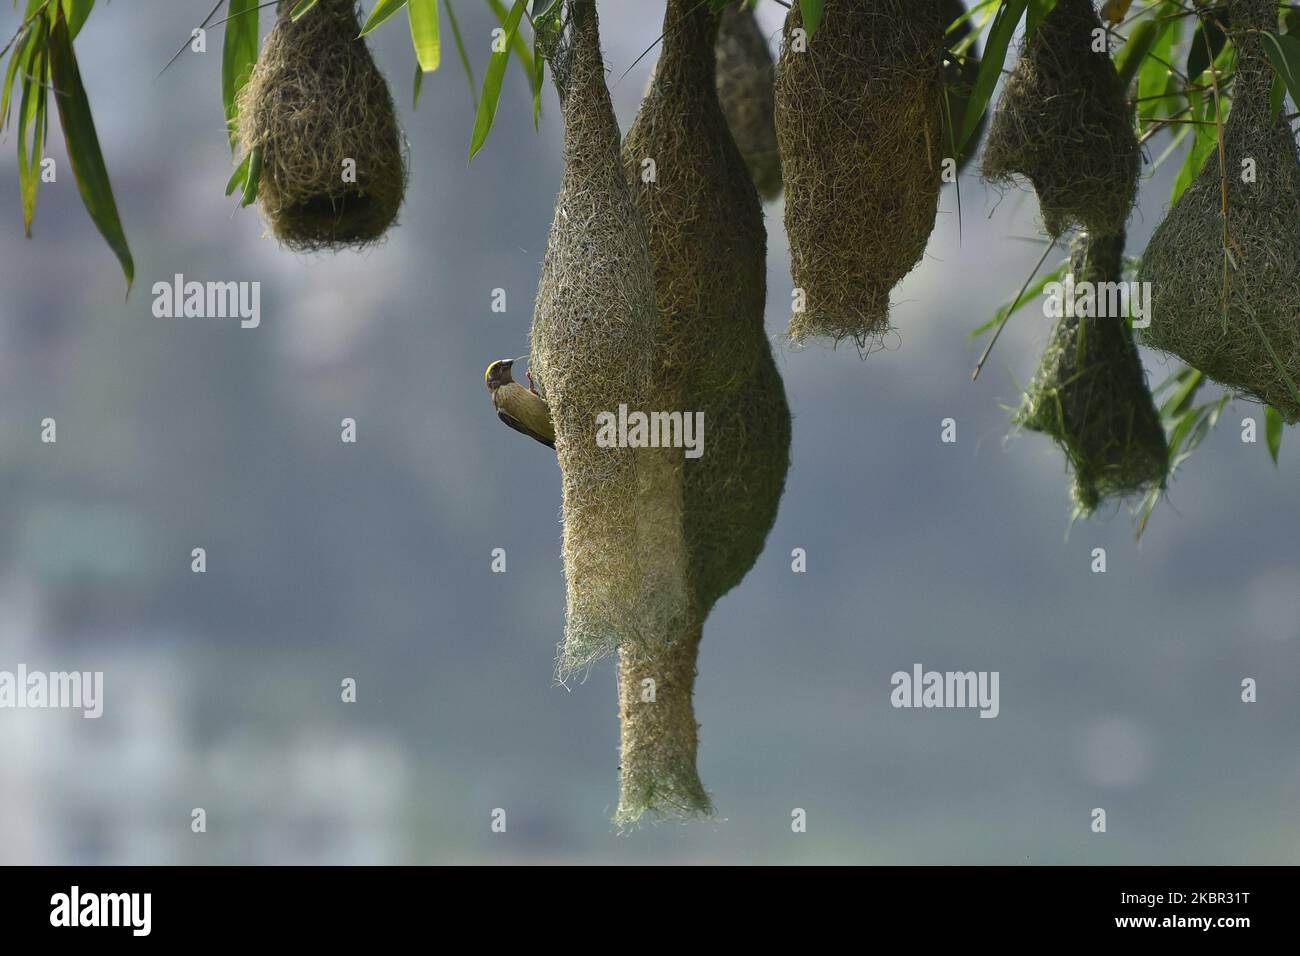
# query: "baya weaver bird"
1114,11
520,408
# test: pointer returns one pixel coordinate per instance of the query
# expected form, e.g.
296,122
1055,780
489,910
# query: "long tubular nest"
708,246
593,348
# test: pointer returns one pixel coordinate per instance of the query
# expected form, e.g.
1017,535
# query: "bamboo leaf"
76,12
812,12
1131,55
1207,43
254,177
1205,141
83,146
31,122
1156,80
496,71
18,62
238,57
1273,431
1031,293
239,176
298,12
995,55
383,10
1038,11
423,15
520,45
1284,53
460,52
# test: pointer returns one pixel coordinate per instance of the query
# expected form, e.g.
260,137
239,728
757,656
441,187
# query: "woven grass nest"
1063,124
1245,334
593,348
745,77
859,119
1090,393
314,100
712,355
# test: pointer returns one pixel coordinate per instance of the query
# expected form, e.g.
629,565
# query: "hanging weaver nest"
1063,124
859,118
708,246
745,74
1235,315
1090,393
593,344
314,102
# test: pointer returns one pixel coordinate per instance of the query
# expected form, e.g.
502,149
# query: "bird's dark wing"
520,427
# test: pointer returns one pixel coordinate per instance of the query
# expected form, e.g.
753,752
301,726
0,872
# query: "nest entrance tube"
859,119
712,356
593,346
659,735
1063,124
1090,392
1236,315
333,172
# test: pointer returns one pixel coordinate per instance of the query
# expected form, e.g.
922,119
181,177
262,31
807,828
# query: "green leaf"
1188,382
18,62
423,15
254,177
1129,59
460,52
416,85
31,132
539,77
298,12
1156,81
1031,293
1273,431
1284,53
239,176
238,57
522,52
812,12
76,12
496,71
1038,10
1207,43
382,11
83,146
995,55
1205,142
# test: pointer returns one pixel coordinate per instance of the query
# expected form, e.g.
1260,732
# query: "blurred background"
372,561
